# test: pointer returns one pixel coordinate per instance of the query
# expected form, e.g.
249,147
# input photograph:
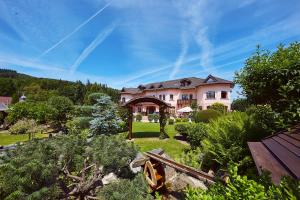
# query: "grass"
6,138
146,137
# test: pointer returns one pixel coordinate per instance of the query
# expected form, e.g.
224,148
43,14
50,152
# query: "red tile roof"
5,100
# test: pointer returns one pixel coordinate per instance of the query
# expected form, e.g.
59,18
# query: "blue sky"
128,42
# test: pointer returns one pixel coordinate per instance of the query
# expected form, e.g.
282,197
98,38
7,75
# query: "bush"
266,121
206,115
181,128
150,117
240,187
221,108
171,121
78,124
196,133
240,105
155,118
124,189
178,120
24,127
138,117
226,140
184,120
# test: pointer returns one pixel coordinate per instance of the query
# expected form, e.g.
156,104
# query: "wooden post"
130,122
162,121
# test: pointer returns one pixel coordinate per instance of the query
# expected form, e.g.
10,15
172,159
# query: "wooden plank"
290,140
288,145
290,160
296,136
264,160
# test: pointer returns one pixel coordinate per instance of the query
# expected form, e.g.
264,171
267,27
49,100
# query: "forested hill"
14,84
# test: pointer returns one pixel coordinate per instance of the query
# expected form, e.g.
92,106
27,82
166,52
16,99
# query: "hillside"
14,84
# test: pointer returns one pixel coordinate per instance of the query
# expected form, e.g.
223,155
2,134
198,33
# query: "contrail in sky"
74,31
93,45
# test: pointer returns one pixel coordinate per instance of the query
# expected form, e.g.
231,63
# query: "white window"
171,97
123,100
160,96
210,95
164,97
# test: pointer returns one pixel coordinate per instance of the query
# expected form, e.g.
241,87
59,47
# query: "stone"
109,178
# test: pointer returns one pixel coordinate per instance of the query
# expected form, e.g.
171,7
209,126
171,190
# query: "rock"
107,179
182,181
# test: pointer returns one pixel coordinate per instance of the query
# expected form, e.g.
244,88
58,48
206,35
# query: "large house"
181,93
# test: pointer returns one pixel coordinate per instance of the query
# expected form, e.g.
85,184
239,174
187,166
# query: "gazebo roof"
151,99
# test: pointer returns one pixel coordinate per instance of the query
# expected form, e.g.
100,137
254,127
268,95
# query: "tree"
54,169
221,108
240,105
63,107
274,78
106,119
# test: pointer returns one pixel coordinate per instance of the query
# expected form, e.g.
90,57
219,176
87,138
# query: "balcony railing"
186,101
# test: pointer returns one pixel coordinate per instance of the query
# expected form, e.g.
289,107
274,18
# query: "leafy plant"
184,120
178,120
240,105
240,187
155,118
125,189
221,108
205,115
54,169
171,121
196,133
25,126
138,117
226,140
182,128
150,117
274,79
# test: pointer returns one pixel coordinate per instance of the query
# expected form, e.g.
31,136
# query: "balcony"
185,102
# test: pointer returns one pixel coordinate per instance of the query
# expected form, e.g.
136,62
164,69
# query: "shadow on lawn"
145,134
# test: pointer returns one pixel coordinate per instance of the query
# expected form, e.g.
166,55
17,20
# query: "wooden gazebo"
163,106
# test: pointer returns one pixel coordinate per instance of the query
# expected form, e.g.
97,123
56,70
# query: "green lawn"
146,137
6,138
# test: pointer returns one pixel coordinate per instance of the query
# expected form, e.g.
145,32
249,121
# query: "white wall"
204,102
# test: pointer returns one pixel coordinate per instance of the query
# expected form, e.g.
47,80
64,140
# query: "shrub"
240,105
24,126
266,121
155,118
138,117
77,124
178,120
181,128
124,189
226,140
196,133
185,120
240,187
191,158
206,115
171,121
150,117
221,108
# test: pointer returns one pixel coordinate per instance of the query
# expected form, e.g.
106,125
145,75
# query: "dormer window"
210,79
185,82
141,87
152,87
160,86
123,90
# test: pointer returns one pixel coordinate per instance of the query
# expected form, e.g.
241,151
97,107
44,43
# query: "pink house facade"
181,93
